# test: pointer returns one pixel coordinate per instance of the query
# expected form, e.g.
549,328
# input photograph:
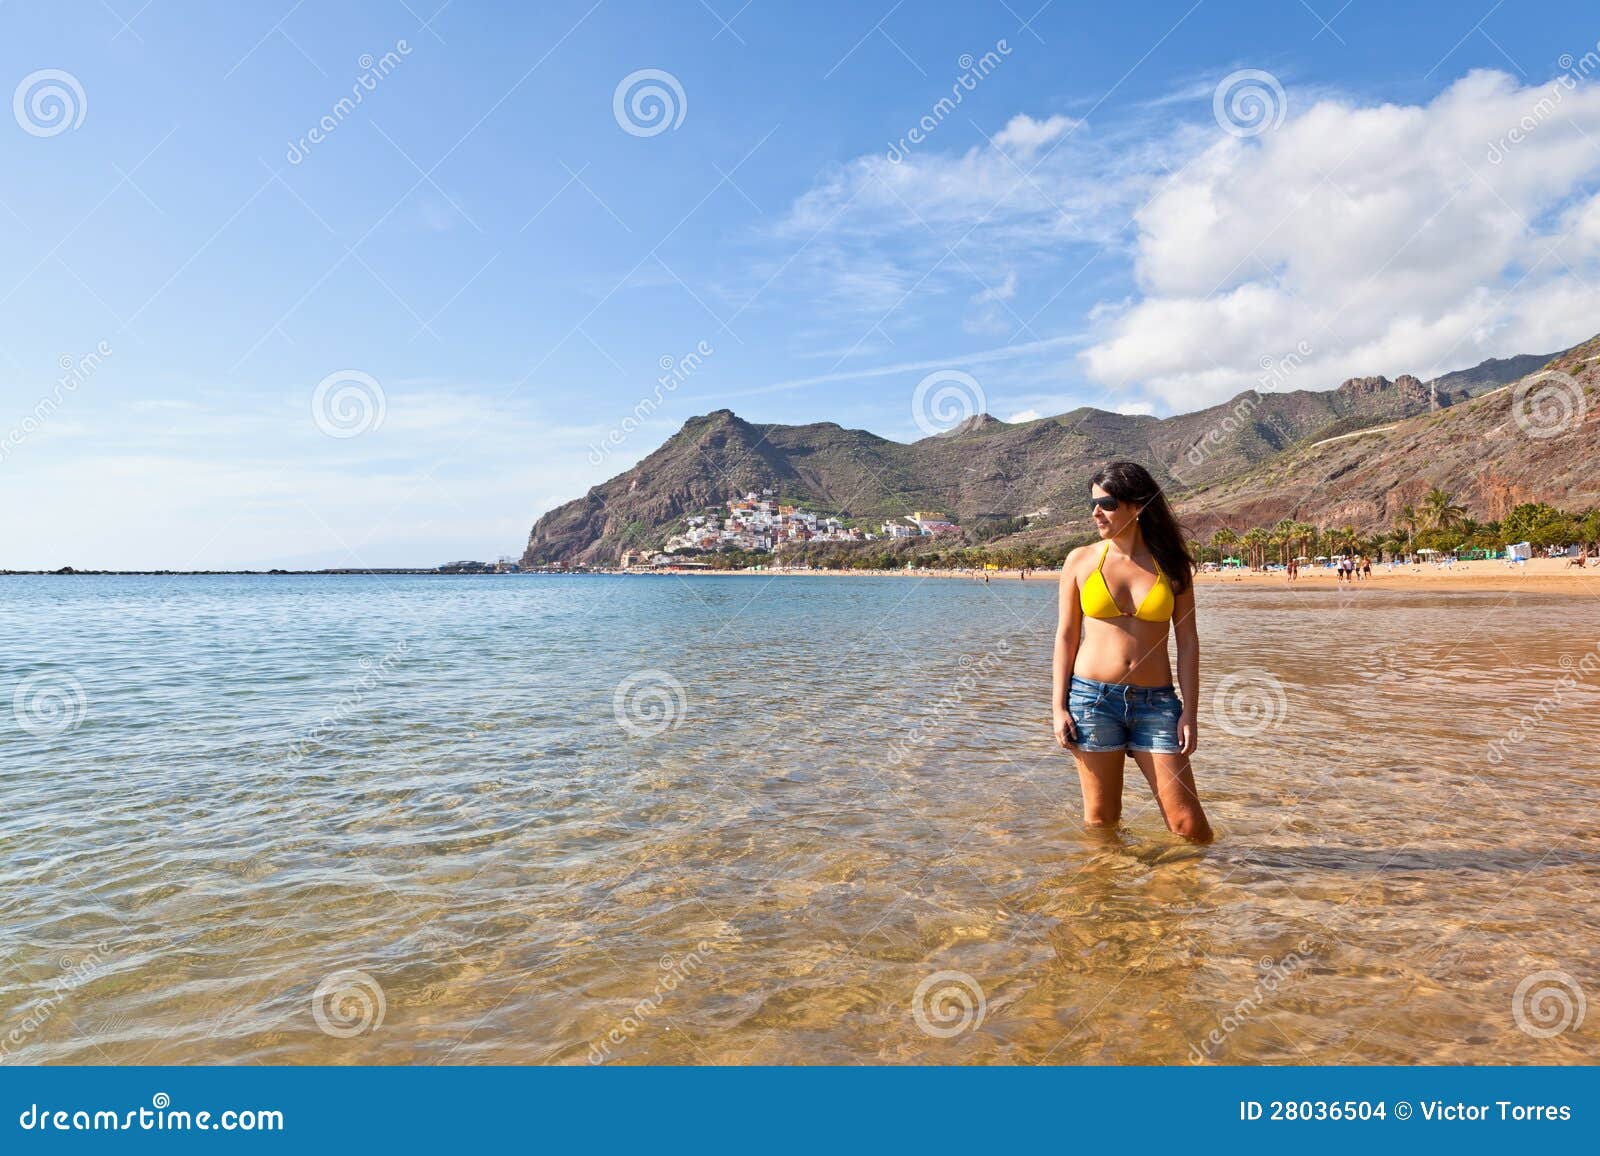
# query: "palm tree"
1406,523
1223,539
1283,538
1255,541
1304,533
1439,512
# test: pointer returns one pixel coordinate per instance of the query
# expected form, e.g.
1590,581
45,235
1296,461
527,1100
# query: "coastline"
1538,575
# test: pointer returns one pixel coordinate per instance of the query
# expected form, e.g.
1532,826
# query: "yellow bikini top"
1096,601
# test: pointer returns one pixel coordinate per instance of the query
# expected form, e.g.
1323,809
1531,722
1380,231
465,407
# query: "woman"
1118,599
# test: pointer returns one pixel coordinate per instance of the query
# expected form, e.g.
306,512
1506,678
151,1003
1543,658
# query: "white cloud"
991,313
1388,238
1024,415
1137,408
1384,238
1025,136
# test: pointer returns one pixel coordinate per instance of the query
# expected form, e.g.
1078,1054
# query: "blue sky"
488,253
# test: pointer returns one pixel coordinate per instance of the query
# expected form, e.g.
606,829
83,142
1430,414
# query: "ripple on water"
280,782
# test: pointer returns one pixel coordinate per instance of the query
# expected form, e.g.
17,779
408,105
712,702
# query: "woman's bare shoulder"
1076,560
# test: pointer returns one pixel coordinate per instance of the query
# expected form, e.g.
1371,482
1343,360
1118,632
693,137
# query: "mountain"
1214,460
1492,374
1536,440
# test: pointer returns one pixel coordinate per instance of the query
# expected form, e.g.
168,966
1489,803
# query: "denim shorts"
1114,716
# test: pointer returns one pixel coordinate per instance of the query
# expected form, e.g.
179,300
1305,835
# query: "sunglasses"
1107,504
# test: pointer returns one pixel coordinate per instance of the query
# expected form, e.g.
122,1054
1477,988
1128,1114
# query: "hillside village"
760,523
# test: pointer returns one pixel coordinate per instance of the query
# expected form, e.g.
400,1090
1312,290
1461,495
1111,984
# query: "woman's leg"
1100,775
1172,781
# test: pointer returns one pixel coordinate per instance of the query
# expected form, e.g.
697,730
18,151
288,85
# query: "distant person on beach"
1366,566
1111,685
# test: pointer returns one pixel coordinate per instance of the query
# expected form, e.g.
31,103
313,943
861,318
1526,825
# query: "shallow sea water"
531,819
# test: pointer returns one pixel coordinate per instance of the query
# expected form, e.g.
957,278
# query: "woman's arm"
1069,626
1183,626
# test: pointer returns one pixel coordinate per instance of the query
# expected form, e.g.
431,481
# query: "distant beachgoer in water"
1111,687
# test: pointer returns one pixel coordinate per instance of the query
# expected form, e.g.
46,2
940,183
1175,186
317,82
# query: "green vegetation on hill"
1251,461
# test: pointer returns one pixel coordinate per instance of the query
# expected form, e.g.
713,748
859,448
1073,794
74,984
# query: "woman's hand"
1065,733
1188,733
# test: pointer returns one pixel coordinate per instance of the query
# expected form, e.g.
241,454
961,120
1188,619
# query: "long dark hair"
1131,482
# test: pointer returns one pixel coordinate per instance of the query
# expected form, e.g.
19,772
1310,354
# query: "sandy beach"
1542,575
